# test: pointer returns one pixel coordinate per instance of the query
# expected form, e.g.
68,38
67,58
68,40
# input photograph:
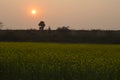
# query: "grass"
52,61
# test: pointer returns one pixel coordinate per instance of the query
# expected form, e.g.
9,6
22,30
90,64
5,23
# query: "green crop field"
53,61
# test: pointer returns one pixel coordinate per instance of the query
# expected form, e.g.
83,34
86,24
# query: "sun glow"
33,11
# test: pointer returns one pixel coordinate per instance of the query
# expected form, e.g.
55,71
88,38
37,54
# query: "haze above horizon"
78,14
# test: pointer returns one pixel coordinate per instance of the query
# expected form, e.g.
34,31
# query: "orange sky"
78,14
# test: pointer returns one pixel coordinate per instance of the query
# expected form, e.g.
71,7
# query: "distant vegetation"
63,34
1,25
49,61
41,25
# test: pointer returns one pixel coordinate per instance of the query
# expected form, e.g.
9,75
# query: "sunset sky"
78,14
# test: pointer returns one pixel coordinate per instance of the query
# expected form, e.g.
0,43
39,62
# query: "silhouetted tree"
41,25
49,29
64,28
1,25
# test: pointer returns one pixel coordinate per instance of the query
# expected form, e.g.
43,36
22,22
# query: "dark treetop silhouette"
1,25
41,25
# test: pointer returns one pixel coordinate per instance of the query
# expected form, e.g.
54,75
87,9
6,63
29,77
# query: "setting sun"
34,12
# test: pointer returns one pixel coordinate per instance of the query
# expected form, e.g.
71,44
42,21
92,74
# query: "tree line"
63,35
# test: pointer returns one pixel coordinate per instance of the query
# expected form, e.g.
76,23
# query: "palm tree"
41,25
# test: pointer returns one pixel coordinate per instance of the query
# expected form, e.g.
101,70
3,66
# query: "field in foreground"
52,61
